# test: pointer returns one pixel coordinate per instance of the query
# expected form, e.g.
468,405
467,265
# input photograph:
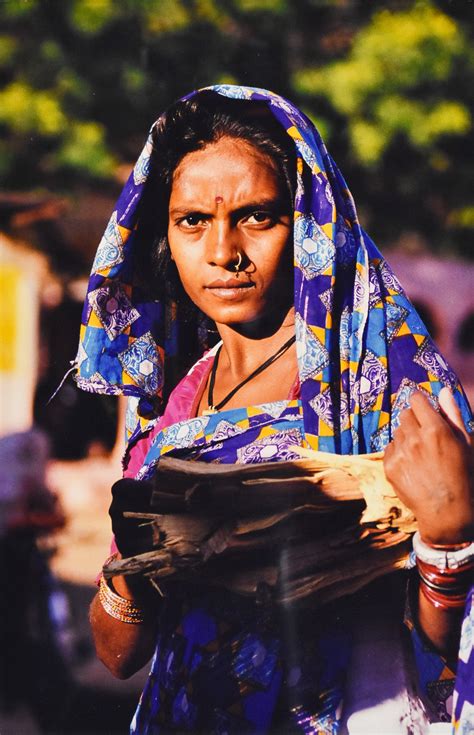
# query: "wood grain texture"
320,527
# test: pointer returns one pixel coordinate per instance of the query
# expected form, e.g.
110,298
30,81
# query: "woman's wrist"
443,556
440,625
118,607
132,588
445,572
446,537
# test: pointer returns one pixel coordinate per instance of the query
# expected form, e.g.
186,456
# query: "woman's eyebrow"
276,204
183,210
272,204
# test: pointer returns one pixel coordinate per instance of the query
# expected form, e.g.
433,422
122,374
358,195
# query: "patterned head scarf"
362,348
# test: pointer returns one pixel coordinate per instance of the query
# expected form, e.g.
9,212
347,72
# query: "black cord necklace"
210,395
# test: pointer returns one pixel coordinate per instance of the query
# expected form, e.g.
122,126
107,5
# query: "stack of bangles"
446,572
119,607
116,606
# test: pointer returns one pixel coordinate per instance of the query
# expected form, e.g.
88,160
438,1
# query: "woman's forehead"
226,152
221,168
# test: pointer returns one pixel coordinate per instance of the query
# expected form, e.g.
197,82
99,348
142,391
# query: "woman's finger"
390,459
451,412
408,423
423,409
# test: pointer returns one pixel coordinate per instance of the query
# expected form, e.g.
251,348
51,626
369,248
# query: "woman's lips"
233,288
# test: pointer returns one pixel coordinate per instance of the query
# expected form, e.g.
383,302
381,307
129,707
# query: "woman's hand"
132,535
430,464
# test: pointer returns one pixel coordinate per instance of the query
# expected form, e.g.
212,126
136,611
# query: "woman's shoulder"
180,406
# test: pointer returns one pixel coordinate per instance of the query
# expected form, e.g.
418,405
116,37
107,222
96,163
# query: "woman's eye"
191,220
260,218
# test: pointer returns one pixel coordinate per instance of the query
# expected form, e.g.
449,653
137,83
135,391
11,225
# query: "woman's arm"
125,647
429,463
124,613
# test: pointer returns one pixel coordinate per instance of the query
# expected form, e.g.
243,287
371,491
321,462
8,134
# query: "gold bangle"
119,607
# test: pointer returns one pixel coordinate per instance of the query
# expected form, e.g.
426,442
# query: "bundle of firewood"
325,526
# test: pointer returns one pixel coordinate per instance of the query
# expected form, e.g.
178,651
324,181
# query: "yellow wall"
21,274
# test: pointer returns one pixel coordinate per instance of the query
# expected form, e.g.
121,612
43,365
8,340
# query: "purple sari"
362,350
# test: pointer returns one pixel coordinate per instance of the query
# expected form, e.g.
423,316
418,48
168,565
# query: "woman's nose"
223,245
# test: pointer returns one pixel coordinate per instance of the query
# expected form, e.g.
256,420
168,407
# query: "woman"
234,185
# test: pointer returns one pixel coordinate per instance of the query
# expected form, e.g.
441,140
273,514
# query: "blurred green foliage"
391,80
390,85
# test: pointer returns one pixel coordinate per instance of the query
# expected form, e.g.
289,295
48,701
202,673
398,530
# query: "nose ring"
239,262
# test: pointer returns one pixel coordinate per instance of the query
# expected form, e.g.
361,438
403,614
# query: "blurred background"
390,86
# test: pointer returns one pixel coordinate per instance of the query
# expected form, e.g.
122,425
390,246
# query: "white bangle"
442,559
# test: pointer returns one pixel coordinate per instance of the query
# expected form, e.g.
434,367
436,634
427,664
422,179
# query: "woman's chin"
256,323
234,317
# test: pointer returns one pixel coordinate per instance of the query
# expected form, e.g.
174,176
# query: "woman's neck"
245,348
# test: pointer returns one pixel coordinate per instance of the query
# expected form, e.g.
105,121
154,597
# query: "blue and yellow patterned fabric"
247,435
362,349
463,704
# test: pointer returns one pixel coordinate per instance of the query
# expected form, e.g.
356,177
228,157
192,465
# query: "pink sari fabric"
182,405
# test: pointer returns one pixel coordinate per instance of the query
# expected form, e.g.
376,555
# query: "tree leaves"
81,81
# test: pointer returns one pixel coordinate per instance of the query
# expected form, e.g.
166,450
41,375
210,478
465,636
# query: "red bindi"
219,200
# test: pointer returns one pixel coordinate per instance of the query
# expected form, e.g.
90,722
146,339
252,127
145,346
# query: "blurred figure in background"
35,636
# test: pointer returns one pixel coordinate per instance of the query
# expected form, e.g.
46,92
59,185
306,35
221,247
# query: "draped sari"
362,350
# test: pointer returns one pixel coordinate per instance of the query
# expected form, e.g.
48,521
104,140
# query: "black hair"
187,126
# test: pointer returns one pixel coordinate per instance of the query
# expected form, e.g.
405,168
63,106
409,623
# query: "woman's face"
227,199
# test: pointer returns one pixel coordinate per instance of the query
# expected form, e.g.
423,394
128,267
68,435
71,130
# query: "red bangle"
446,579
443,602
445,589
